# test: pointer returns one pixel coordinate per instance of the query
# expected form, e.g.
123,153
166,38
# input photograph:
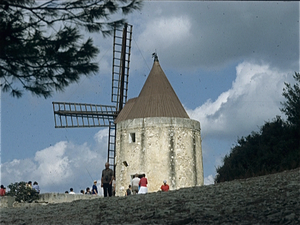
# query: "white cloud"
58,167
164,32
53,164
17,170
101,136
209,180
254,97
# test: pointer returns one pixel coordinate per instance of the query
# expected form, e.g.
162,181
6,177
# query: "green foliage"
291,107
276,147
22,193
41,48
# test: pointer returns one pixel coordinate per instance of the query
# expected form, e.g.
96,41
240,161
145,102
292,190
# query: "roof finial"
154,55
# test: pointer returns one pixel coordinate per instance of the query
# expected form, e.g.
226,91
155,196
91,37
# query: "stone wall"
162,148
46,198
271,199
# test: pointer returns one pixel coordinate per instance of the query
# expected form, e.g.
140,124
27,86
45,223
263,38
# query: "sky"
227,62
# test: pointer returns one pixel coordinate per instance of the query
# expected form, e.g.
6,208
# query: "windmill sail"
72,115
121,62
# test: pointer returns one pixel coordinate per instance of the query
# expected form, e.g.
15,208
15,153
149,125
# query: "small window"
131,137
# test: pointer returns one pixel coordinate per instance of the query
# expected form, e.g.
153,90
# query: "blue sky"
227,62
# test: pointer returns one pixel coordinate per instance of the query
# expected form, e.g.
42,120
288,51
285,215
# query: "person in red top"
165,186
2,190
143,185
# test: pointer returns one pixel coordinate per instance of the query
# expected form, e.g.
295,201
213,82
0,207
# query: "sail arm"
72,115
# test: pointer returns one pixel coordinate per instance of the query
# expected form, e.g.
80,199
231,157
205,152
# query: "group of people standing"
139,186
87,191
35,186
107,183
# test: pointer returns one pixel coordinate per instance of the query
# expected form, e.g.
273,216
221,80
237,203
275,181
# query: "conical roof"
156,99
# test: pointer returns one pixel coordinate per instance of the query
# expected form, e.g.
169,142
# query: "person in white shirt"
36,187
114,186
135,184
71,191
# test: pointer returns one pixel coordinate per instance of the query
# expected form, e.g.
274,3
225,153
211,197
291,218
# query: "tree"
41,47
292,103
271,150
275,148
291,108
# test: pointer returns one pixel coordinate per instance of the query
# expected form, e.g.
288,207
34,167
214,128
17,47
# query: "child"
128,191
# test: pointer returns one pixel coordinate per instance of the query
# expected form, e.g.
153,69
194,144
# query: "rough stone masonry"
270,199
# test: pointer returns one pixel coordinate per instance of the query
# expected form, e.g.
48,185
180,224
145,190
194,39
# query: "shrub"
22,193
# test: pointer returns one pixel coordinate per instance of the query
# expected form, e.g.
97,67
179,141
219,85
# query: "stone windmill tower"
156,137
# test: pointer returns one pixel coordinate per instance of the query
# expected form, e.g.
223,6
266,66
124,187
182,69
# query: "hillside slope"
267,199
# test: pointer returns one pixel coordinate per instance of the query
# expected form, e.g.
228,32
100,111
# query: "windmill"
79,115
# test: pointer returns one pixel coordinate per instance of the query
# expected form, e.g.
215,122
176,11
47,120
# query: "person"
114,186
82,192
106,180
135,184
88,191
94,188
2,190
36,187
29,184
128,191
66,192
71,191
165,187
143,185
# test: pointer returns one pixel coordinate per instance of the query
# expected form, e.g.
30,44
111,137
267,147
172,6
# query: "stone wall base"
46,198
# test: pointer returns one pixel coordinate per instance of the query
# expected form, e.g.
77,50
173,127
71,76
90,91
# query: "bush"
22,193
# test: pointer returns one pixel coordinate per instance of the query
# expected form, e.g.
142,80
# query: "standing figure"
143,185
29,184
135,184
2,190
94,188
114,186
71,191
36,187
165,186
88,191
128,191
106,180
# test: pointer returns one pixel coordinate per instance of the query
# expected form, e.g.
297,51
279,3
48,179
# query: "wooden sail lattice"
79,115
72,115
120,68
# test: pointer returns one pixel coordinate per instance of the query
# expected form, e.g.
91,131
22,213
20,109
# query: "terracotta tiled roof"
157,99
